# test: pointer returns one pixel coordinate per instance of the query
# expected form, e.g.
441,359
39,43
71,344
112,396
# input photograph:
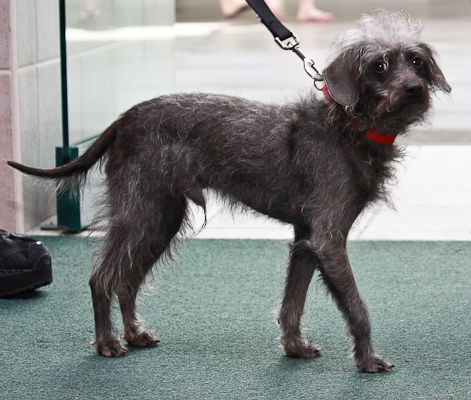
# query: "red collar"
325,90
372,134
381,138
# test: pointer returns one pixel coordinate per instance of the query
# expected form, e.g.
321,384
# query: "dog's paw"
374,363
110,348
302,349
141,339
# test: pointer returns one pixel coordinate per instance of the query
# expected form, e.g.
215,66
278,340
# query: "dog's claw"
110,348
302,349
375,364
141,339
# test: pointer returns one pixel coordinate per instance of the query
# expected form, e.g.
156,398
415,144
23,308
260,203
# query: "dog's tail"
77,167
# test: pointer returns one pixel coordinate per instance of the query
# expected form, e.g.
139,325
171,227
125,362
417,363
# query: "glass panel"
120,52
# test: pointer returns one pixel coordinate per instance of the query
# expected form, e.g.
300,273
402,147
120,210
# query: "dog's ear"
342,78
436,77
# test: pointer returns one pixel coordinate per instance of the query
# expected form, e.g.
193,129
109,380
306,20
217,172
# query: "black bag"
25,264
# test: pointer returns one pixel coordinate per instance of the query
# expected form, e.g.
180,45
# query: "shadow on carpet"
213,311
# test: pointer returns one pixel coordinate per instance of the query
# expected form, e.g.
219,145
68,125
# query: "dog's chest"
372,169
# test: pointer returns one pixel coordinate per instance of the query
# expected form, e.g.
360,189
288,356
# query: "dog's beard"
394,114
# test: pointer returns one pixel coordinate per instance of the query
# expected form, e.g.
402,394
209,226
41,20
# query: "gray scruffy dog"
315,164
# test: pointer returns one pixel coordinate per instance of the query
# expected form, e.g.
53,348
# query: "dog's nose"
414,91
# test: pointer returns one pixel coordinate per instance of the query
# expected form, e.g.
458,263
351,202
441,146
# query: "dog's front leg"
300,271
338,277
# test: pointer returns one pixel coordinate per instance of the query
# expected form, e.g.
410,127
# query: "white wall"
104,78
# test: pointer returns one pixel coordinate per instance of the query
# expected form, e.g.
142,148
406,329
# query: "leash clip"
292,43
312,71
278,30
309,66
288,43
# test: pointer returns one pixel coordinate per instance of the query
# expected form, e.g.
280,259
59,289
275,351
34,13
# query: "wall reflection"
120,52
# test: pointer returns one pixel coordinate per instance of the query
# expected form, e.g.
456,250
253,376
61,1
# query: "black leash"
284,37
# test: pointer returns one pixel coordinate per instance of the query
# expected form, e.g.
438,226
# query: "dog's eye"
380,66
418,62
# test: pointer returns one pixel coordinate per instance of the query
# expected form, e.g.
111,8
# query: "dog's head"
383,72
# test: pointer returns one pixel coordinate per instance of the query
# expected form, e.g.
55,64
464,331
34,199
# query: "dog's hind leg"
106,341
156,241
300,271
136,239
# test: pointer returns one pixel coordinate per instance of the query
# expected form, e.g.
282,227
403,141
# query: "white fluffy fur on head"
384,28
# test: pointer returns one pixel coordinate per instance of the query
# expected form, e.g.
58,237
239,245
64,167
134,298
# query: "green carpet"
213,310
